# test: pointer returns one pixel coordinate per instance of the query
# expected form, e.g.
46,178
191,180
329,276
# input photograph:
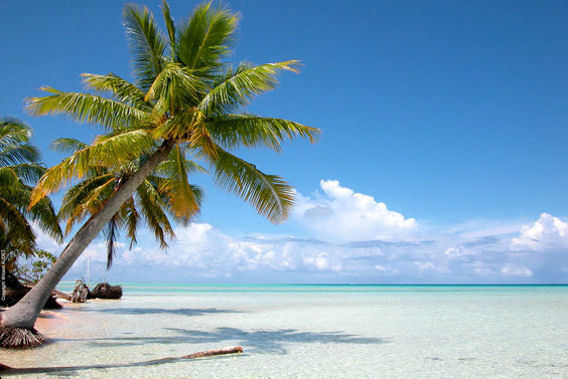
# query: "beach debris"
106,291
227,350
80,292
61,295
16,290
43,370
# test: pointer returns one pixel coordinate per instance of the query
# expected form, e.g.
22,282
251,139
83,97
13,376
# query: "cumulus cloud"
547,233
341,214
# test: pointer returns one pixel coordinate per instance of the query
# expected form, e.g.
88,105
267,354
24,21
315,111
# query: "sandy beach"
311,331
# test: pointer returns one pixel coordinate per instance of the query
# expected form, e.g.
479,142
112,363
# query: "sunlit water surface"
311,331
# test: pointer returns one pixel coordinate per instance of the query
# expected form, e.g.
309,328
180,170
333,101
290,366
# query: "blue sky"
443,153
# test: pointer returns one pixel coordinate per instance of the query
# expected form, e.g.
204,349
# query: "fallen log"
61,295
42,370
15,291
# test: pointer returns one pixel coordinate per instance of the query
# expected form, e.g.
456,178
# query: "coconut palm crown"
184,96
186,101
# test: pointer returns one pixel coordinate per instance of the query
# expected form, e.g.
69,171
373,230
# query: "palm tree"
148,203
186,101
19,171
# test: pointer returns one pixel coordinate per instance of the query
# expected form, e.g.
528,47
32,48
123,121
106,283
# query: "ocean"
309,331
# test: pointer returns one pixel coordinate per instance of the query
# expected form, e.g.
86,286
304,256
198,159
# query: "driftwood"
106,291
41,370
80,292
61,295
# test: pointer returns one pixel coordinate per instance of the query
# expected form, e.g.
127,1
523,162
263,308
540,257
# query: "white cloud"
514,270
322,262
425,266
546,233
348,236
341,214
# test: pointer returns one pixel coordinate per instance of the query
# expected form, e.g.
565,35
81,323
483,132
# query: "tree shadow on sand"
256,341
154,311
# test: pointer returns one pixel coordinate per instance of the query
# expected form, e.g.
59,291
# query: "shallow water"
311,331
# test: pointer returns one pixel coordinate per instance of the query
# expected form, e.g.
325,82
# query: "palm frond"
44,215
17,154
14,131
146,42
111,234
82,107
206,38
174,86
8,177
239,88
107,151
178,126
68,145
269,194
233,131
120,89
29,173
15,221
74,205
151,207
175,185
170,26
132,218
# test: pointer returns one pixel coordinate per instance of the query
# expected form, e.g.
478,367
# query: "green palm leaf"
74,206
132,220
269,194
146,42
206,38
253,131
11,218
152,211
109,151
175,86
240,87
182,200
13,131
68,145
29,173
120,89
15,154
81,107
170,26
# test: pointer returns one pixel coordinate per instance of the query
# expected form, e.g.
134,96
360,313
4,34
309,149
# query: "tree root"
20,338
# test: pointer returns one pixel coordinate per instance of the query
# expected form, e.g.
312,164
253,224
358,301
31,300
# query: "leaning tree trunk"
24,314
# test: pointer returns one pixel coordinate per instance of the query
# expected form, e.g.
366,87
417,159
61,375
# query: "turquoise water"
148,288
312,331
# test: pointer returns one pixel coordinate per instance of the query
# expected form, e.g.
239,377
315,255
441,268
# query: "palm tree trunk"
25,312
